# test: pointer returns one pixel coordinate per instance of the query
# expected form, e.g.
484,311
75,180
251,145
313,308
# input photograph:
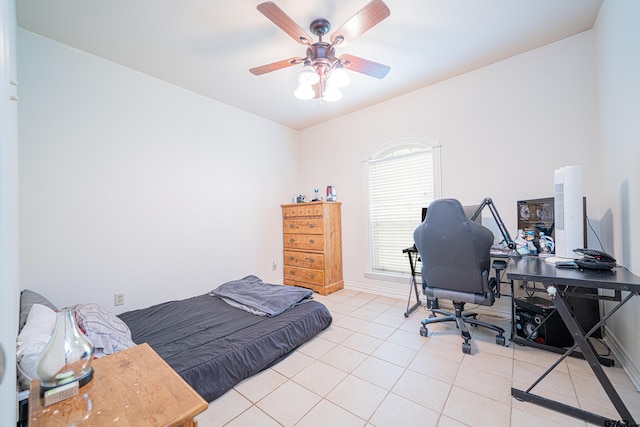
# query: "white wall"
9,280
618,69
504,129
129,184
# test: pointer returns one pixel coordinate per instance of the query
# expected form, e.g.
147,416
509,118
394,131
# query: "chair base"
461,318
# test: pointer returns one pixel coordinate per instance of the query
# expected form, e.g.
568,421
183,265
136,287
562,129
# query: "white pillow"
31,341
27,299
104,329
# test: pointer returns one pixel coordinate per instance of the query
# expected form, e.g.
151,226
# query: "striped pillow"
104,329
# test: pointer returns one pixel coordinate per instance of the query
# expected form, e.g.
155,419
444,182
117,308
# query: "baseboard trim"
382,290
499,309
626,361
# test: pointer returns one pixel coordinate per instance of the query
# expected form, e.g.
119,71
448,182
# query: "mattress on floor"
214,346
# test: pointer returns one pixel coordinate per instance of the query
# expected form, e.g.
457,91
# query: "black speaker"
529,314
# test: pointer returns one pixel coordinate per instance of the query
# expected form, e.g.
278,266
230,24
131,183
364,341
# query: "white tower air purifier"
569,211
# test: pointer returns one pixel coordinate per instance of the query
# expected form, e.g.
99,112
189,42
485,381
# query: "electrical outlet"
274,265
118,298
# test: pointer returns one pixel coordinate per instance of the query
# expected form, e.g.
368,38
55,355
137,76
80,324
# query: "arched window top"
403,146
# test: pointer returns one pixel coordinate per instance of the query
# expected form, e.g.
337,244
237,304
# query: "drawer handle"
310,225
291,240
291,225
291,258
312,275
312,241
312,260
292,272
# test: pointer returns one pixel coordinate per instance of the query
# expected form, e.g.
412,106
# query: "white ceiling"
208,46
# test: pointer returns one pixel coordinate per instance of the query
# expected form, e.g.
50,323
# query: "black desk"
534,269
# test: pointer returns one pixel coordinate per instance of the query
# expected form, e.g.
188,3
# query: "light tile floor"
372,368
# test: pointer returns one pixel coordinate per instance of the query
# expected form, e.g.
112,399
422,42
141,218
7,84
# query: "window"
400,180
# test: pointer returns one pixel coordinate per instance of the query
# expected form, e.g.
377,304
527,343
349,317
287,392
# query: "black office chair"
455,266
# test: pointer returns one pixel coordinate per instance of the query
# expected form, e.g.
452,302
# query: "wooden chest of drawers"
313,246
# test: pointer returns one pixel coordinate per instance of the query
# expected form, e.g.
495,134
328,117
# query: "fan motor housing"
321,50
320,27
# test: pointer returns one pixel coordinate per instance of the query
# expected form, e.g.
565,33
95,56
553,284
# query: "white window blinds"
400,184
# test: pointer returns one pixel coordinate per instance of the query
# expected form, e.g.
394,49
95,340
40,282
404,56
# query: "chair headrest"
446,209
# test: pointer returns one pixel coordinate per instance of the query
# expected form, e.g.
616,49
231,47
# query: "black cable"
594,233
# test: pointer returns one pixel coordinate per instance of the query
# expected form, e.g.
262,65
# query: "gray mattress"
214,346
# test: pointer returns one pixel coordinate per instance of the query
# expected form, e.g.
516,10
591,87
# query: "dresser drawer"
302,210
314,242
304,226
304,259
306,275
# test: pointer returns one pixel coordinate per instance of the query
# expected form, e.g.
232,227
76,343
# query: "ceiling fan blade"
365,66
263,69
282,20
370,15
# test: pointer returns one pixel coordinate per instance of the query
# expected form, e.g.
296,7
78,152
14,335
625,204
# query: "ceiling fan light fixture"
322,74
304,92
308,75
339,77
332,94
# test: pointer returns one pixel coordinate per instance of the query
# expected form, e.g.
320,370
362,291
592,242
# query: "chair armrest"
485,281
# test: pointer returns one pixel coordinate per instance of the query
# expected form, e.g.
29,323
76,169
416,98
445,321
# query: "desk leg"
581,341
592,358
513,311
412,288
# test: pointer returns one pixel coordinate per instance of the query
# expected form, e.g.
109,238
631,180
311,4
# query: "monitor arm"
496,216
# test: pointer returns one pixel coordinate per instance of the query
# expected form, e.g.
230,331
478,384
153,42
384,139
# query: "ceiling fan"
323,73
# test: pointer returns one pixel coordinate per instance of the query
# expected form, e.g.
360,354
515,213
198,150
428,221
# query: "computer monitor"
468,211
537,215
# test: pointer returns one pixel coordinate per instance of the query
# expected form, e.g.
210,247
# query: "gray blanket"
257,297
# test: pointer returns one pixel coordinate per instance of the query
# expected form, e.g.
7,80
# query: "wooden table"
134,387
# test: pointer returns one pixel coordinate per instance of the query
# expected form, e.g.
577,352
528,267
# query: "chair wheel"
424,331
500,340
431,316
466,348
